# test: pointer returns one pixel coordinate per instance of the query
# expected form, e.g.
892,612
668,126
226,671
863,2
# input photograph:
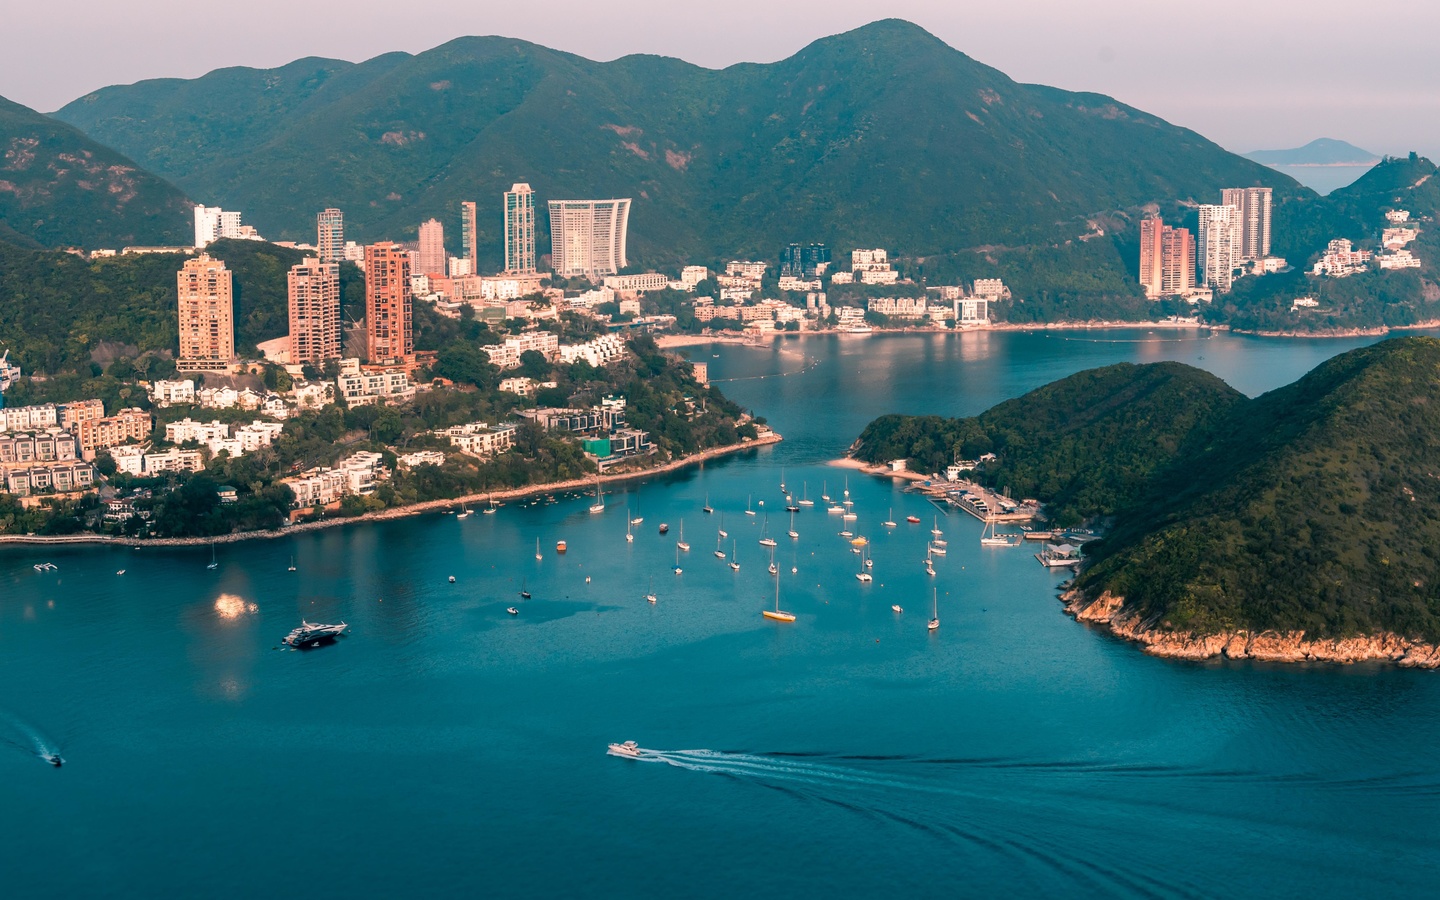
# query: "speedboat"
913,520
55,760
309,633
664,528
512,610
452,579
896,607
628,749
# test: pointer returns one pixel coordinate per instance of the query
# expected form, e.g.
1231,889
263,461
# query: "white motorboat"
628,749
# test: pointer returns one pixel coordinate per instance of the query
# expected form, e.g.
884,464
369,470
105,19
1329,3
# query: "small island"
1300,525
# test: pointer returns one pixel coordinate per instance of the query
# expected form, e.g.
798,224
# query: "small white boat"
121,572
835,509
213,563
599,505
512,610
537,549
628,749
935,612
937,550
936,529
678,570
452,579
863,577
629,533
734,566
896,608
748,510
805,495
681,543
291,569
651,596
890,522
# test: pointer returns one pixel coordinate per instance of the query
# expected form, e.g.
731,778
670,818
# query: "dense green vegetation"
1314,507
880,137
60,188
1087,445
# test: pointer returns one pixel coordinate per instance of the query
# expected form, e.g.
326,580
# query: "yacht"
935,530
678,570
651,596
935,611
599,505
896,608
835,509
913,520
524,594
889,522
824,496
723,532
629,749
308,633
629,533
560,546
794,535
805,495
748,510
463,513
707,509
512,610
681,543
937,548
734,566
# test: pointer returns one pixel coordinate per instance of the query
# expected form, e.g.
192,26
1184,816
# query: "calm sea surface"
446,748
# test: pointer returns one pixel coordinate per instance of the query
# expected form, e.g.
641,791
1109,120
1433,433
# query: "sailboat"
777,613
748,510
773,569
989,537
599,505
537,549
782,479
805,495
678,570
734,566
935,530
848,502
213,563
490,510
935,611
680,544
629,533
651,596
524,594
794,535
765,539
890,520
723,532
929,563
719,554
292,565
707,509
863,576
463,513
824,496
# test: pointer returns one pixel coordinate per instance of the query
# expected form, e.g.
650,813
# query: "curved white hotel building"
587,237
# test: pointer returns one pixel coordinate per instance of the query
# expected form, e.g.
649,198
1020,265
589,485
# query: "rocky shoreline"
1108,611
398,512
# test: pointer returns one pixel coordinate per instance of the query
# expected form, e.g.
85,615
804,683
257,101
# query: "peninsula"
1298,525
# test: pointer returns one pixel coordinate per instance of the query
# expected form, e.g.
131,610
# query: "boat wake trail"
789,769
27,739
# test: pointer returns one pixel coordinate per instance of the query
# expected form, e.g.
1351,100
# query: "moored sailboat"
777,613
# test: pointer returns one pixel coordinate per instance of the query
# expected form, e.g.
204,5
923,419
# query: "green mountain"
1314,508
1087,444
1319,152
59,188
883,136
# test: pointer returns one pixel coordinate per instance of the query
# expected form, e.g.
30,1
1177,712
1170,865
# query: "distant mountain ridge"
60,188
882,136
1319,152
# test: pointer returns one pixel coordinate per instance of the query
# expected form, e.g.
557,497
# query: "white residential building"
791,283
868,260
213,223
1400,259
587,237
1219,245
1397,216
423,457
971,311
187,429
1304,303
649,281
479,438
899,307
1341,259
1393,238
173,460
507,355
171,393
992,289
693,275
312,394
879,276
745,268
361,388
598,352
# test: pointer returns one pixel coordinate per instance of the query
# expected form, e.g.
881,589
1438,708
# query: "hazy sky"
1249,74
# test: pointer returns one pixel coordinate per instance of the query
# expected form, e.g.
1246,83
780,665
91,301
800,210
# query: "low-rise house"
173,393
479,438
173,460
60,476
360,388
51,445
422,458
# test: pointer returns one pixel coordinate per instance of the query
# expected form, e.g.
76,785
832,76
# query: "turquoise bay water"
446,748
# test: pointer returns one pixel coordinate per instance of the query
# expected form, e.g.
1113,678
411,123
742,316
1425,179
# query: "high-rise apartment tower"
314,311
1220,241
388,335
431,257
520,230
468,235
1253,204
330,235
587,237
207,312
